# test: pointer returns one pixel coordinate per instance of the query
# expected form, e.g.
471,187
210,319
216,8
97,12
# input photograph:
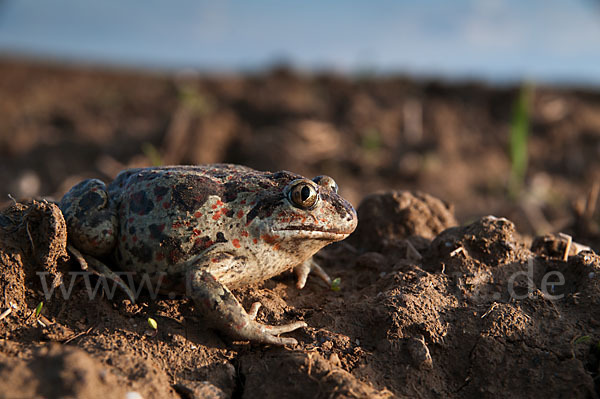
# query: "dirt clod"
399,215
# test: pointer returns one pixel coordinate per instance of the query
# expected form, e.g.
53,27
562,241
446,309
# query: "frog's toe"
254,310
285,328
266,334
304,269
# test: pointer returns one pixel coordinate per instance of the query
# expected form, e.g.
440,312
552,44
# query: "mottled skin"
204,230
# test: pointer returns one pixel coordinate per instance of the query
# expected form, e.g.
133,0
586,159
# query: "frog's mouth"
316,232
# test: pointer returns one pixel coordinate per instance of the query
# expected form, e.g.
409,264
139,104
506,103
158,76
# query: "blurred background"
491,105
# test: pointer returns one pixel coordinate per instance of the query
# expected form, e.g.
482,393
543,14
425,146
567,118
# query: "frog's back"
217,173
169,215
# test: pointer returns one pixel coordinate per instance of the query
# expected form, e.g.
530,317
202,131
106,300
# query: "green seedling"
152,153
371,140
152,323
38,309
335,284
518,141
582,339
194,100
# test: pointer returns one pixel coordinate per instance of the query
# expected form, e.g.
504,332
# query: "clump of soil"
468,311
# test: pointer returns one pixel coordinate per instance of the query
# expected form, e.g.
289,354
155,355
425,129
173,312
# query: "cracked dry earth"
427,308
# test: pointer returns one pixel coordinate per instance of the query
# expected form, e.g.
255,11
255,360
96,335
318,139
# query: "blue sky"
543,40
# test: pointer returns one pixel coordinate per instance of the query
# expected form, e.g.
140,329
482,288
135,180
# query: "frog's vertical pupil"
305,193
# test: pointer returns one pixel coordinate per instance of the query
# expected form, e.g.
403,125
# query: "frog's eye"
326,181
303,195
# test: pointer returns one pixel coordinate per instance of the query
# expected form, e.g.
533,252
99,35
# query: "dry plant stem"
490,309
568,239
78,335
536,217
457,251
5,313
30,238
412,252
591,201
177,135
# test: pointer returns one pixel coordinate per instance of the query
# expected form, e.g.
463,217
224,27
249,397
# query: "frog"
205,230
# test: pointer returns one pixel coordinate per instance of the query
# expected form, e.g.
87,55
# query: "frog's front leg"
305,268
221,307
91,217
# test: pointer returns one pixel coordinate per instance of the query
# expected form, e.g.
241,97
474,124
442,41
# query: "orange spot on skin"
240,214
197,232
217,215
205,244
244,234
197,214
276,247
254,240
219,202
236,243
214,206
214,260
269,239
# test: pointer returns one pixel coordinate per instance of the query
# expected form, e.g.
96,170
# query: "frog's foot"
89,263
219,305
304,269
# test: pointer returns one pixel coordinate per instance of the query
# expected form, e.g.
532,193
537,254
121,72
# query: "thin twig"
5,313
569,239
410,249
457,251
78,335
30,238
490,309
591,201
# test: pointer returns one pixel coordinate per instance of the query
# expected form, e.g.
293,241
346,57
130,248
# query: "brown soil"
427,307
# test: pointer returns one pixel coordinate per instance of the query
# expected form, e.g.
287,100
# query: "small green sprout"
335,284
518,140
152,153
372,140
582,339
152,323
38,309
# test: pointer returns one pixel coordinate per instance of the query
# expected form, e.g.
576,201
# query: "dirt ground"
437,297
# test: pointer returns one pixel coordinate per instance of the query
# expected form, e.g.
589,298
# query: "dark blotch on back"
143,252
91,200
192,192
156,232
160,191
264,207
140,203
